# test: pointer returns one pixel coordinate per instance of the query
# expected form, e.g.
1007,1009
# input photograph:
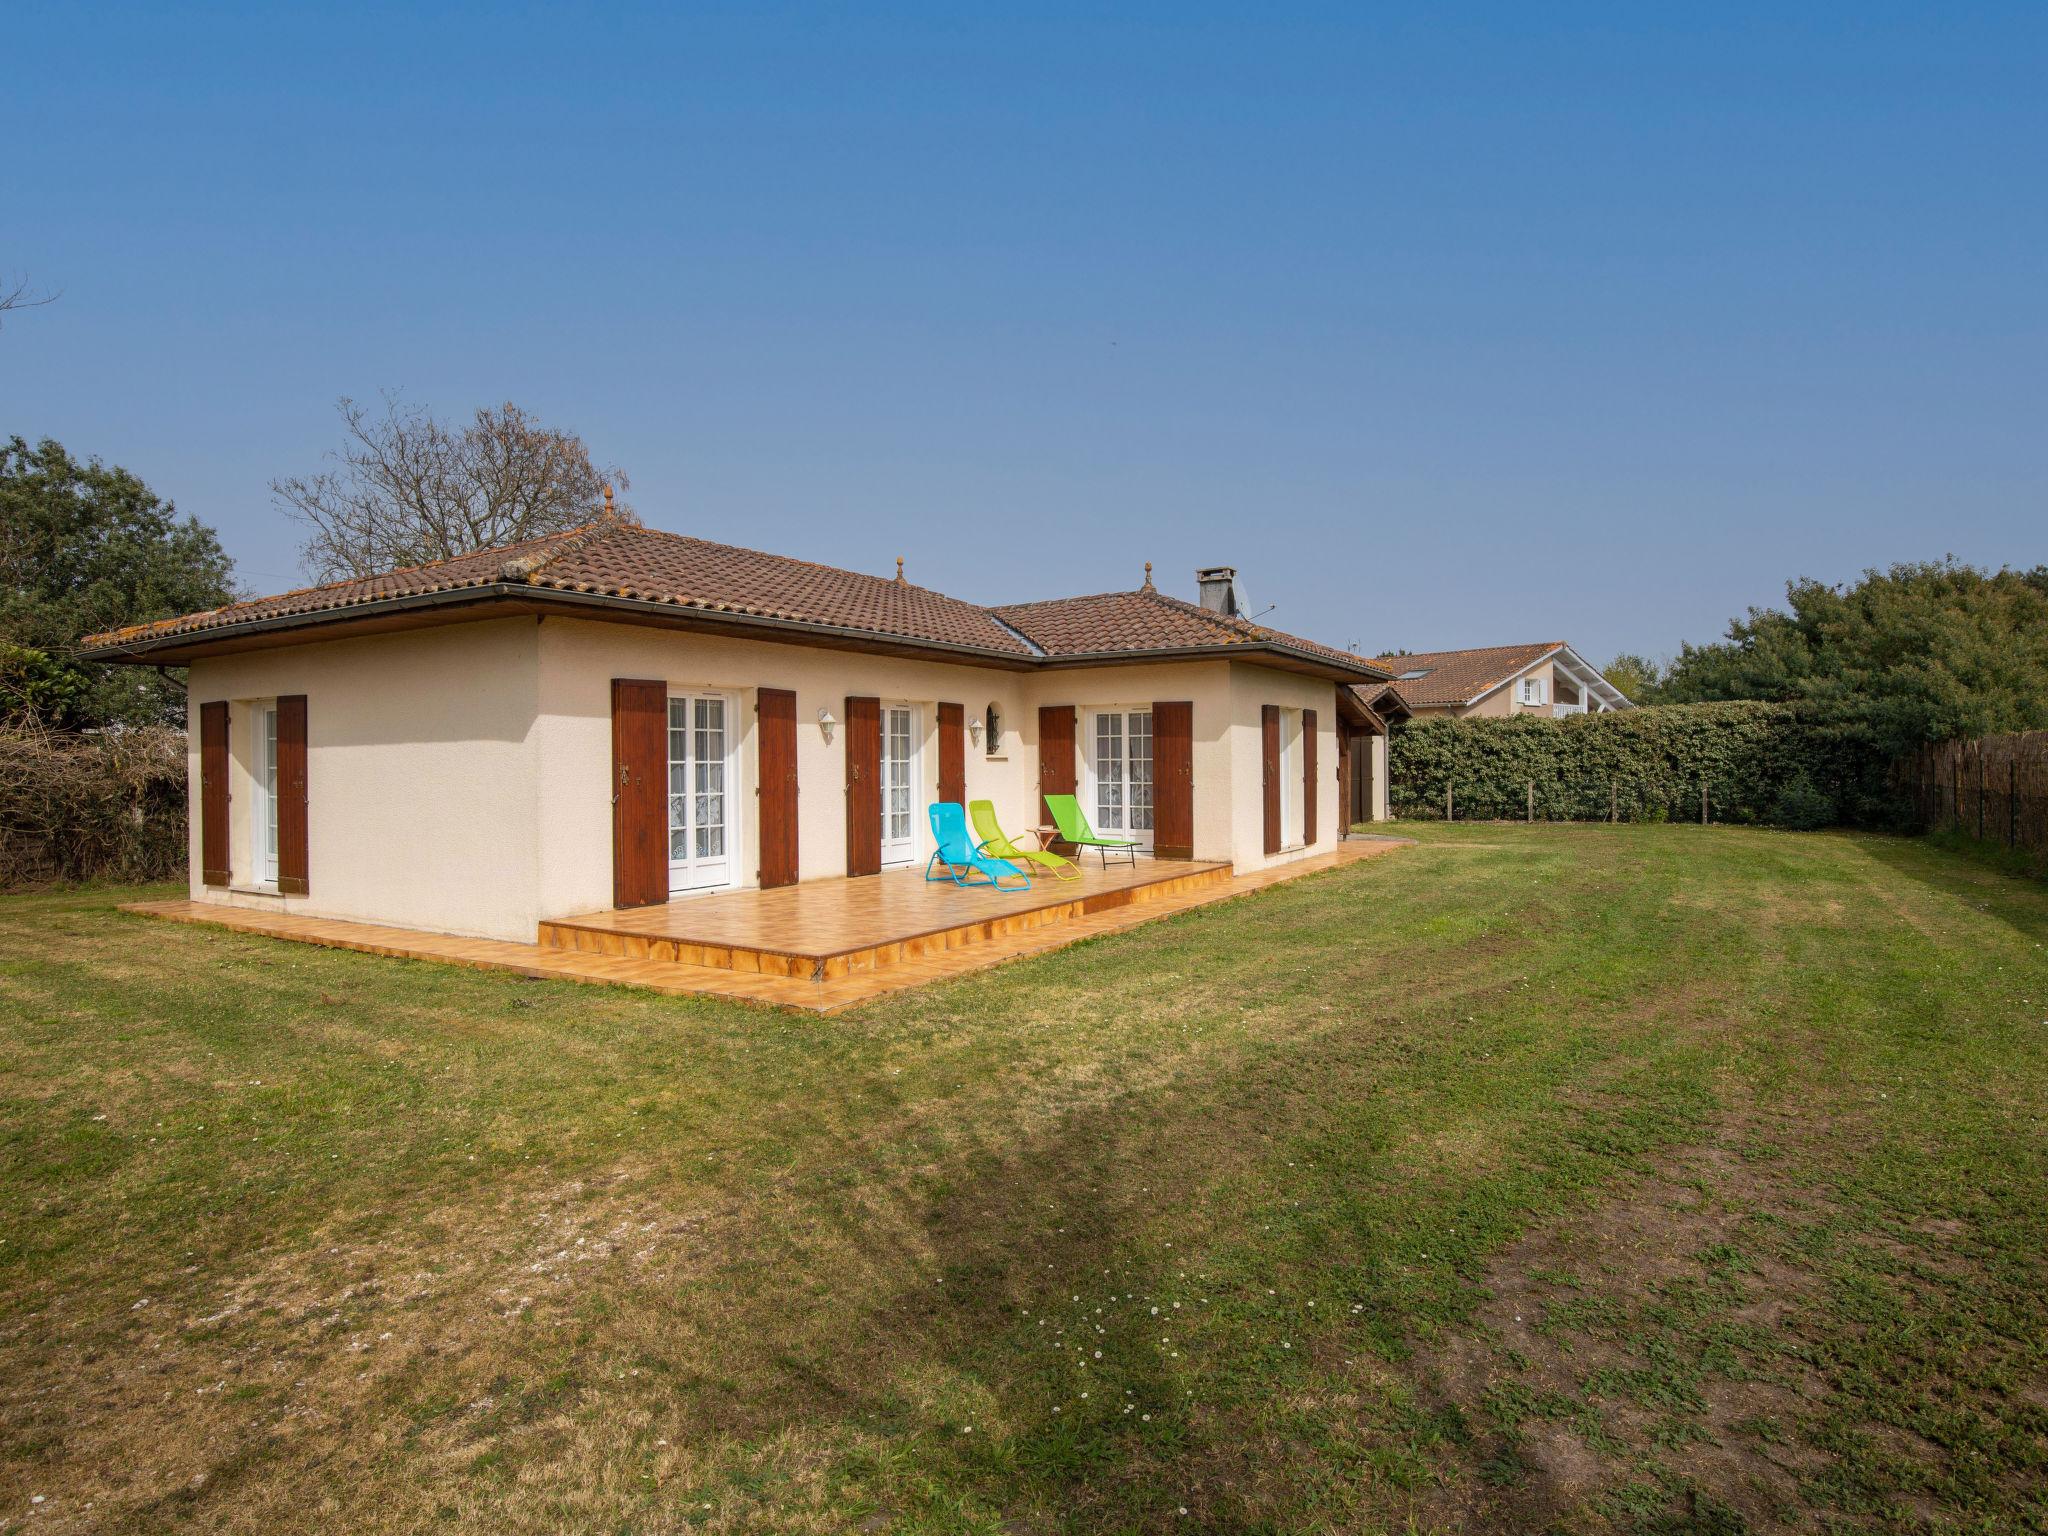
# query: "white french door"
701,750
263,828
899,784
1117,755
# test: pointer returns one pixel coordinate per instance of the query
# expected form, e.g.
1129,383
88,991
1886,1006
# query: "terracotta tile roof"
630,561
479,569
1147,620
1459,677
625,560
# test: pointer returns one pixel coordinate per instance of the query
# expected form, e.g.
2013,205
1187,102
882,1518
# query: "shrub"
102,805
1760,762
1803,805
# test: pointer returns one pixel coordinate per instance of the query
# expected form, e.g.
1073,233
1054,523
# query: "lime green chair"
1074,828
995,842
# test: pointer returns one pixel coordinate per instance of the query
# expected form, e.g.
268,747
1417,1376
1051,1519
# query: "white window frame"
263,802
902,852
1535,691
1089,789
688,876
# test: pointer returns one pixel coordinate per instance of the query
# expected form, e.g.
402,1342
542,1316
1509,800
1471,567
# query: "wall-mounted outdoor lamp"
974,730
825,724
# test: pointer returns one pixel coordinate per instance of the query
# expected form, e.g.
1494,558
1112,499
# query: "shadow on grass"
1988,877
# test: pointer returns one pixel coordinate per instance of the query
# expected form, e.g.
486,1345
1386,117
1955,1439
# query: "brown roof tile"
645,564
625,560
660,567
477,569
1459,677
1147,620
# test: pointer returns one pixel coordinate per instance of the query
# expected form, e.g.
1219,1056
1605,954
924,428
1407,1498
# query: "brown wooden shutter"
863,786
775,711
1173,780
1269,759
953,753
1308,778
639,792
1056,771
291,794
213,793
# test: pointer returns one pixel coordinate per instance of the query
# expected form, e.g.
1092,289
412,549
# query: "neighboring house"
617,716
1548,678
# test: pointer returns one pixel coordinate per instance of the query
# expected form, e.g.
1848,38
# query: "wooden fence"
1994,789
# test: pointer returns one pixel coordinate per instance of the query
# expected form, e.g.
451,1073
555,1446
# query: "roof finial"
1148,576
899,570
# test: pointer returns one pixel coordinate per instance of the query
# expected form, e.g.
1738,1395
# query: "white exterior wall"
1205,684
420,776
579,659
1252,688
458,778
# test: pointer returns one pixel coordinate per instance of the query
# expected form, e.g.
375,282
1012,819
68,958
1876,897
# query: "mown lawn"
1649,1179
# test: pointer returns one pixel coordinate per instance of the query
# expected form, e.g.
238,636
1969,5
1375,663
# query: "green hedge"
1761,762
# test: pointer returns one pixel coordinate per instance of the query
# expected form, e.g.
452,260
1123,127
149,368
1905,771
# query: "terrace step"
827,930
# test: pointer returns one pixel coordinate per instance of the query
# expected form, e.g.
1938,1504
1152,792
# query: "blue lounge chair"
962,861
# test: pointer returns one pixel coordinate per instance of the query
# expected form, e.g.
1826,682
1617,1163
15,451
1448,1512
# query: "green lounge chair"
1074,828
996,843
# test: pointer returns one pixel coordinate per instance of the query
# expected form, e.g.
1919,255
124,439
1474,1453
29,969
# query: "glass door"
1118,757
899,785
264,830
700,751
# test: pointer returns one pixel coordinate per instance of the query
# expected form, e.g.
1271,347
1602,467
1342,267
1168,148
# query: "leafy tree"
1920,652
408,488
1640,678
84,548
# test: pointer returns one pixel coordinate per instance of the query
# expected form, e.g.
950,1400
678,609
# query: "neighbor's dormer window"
1532,690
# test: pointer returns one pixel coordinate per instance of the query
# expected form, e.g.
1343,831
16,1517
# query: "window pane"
1109,772
1140,770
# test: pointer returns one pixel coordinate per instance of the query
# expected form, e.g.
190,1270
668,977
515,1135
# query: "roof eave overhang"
1585,672
1286,657
517,597
514,598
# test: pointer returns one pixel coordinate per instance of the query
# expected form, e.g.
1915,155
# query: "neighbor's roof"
1459,677
1148,620
648,569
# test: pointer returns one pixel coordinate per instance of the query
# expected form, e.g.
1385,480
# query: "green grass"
1646,1179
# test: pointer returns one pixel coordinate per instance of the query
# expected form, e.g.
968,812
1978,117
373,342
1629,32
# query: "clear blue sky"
1448,326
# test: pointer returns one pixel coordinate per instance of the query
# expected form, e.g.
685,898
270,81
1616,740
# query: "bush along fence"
1737,762
1993,789
104,805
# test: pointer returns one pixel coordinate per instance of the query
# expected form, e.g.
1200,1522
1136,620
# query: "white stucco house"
618,716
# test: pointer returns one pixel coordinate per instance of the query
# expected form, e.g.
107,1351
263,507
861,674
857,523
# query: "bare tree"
18,297
407,488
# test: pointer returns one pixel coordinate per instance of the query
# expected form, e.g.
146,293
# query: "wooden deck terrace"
826,930
819,946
